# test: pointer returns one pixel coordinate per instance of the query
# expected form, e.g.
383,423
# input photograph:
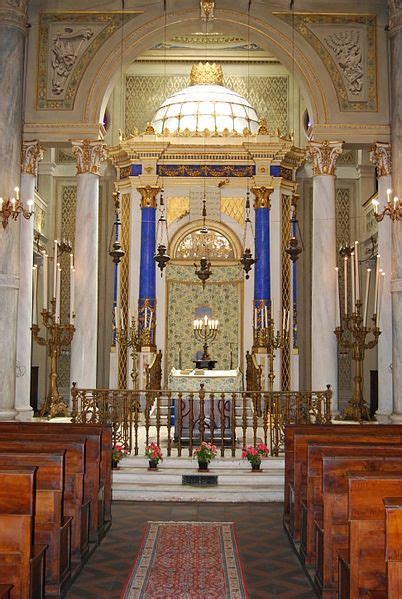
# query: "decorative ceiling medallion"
346,44
67,44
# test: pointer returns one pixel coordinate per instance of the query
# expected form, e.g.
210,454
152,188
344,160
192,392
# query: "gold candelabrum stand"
271,339
352,335
58,337
129,338
205,331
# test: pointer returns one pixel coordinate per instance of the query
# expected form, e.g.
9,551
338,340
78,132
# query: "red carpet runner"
187,560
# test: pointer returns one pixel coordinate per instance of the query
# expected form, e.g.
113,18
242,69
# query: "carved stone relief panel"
67,44
347,46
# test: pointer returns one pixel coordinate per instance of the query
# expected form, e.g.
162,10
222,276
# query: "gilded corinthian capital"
381,156
324,156
89,154
148,195
14,13
31,153
262,195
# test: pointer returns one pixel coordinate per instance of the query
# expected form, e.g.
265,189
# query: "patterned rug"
187,560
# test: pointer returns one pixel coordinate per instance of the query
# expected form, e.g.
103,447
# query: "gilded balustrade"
181,420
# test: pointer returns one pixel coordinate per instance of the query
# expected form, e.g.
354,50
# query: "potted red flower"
154,454
255,455
204,454
118,453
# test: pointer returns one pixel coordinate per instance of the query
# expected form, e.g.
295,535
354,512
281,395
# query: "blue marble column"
262,275
147,299
12,42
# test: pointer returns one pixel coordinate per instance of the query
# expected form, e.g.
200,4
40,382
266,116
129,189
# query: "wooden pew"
366,567
318,429
74,504
22,564
313,505
98,469
393,533
297,490
332,533
52,528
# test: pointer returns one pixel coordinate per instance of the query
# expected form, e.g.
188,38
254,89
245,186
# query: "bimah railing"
180,420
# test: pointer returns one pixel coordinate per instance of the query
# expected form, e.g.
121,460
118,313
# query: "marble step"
220,493
236,482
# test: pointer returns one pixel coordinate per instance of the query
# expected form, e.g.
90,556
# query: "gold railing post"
233,422
201,425
179,417
74,403
169,424
191,425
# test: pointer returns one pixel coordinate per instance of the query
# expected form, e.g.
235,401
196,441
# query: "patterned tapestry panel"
221,299
342,211
68,217
268,95
124,282
233,207
286,288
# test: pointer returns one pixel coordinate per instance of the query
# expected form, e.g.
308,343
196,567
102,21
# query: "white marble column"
324,360
381,156
12,41
89,155
395,32
31,154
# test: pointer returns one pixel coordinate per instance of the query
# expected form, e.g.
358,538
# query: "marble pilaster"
89,155
381,157
395,33
12,42
31,154
323,303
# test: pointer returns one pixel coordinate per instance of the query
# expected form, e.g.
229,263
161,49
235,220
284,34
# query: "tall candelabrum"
205,330
128,337
352,331
269,338
59,336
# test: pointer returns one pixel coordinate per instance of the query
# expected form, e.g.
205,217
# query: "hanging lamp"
161,257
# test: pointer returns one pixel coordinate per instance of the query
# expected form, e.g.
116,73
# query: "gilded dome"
206,104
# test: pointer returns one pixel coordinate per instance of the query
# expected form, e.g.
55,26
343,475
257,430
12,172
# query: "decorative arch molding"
212,225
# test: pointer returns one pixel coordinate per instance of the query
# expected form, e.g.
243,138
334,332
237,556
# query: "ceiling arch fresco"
77,74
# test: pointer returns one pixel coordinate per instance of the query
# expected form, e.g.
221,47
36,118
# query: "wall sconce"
394,210
13,207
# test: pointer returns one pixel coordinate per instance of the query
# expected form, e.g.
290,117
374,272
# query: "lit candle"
13,204
357,277
150,319
266,316
389,191
17,192
366,297
338,309
345,276
216,324
55,268
30,206
1,204
45,279
396,202
72,293
34,289
381,285
377,276
58,283
352,268
71,260
205,320
116,317
375,205
210,324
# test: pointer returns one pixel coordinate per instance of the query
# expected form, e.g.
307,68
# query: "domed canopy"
206,104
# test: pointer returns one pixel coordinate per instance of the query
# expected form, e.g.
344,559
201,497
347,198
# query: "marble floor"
270,566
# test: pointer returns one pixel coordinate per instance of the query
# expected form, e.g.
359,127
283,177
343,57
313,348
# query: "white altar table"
213,380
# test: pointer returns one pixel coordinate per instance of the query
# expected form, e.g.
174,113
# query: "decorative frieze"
89,155
324,156
31,154
346,47
381,157
67,46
